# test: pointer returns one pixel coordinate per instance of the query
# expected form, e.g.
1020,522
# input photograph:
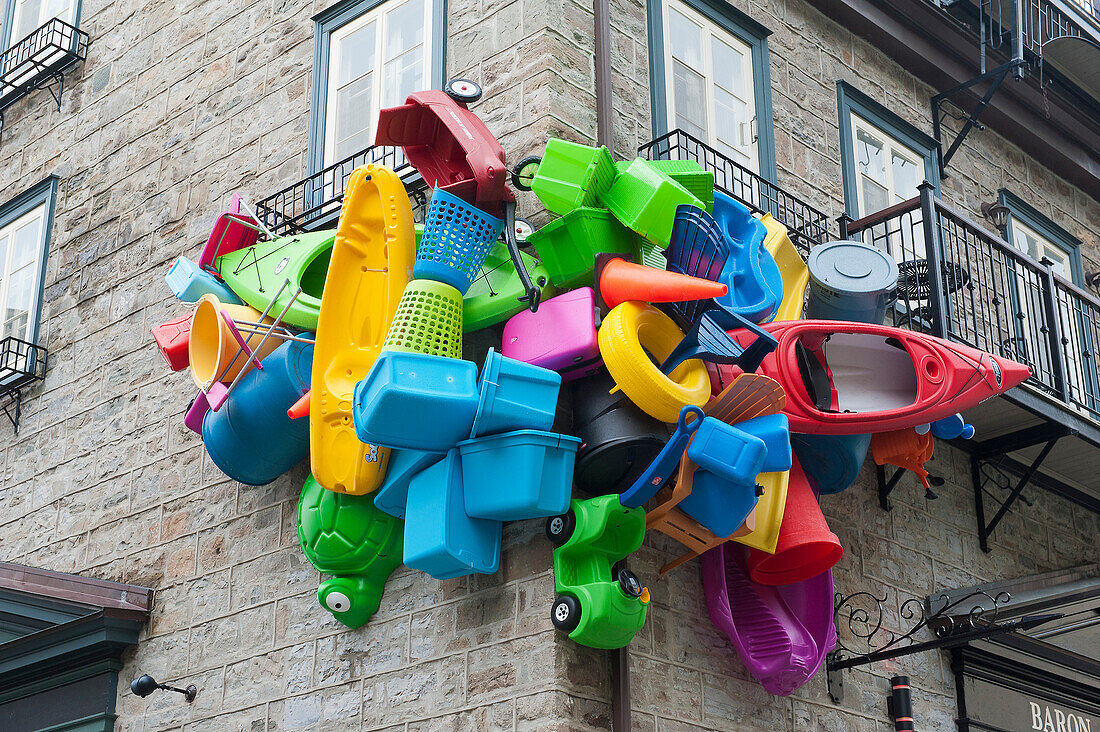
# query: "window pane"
356,54
690,100
354,117
875,196
907,174
405,74
728,65
26,244
20,289
3,254
404,28
870,158
729,113
684,39
58,9
17,326
26,19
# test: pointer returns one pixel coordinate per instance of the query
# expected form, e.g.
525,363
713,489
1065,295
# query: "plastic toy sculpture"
620,280
497,293
346,536
644,200
189,282
371,263
792,268
781,634
596,607
572,176
853,378
754,280
172,339
561,336
906,449
255,272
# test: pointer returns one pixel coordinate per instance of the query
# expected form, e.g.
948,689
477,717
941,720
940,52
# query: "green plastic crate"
645,199
494,295
572,176
568,246
649,254
691,176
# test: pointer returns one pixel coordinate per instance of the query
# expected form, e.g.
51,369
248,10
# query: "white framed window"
21,248
30,15
888,172
374,61
710,83
1035,245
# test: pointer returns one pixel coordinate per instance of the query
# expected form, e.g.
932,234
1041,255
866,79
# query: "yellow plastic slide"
372,262
768,512
791,265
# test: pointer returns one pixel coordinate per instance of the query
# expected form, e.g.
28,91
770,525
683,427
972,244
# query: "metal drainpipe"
620,679
605,134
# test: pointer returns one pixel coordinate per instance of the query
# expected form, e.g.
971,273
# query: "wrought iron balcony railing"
21,363
39,61
315,201
806,225
989,295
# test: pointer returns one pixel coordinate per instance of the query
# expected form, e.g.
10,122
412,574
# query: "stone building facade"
180,104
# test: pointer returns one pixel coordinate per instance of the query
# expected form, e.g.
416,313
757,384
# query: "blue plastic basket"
518,475
457,237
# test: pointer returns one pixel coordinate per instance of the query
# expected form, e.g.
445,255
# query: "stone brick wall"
180,104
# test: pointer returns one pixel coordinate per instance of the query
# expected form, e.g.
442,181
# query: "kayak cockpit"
856,372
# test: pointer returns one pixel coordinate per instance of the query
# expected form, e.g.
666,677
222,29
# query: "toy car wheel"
560,528
523,230
524,171
566,613
463,90
630,584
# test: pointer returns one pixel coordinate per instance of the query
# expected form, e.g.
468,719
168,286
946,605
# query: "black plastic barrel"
618,440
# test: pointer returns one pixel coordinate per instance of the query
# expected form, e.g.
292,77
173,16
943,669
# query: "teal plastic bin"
644,199
518,475
440,538
572,175
514,395
392,496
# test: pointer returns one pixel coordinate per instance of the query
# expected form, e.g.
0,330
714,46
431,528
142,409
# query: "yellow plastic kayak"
372,261
791,265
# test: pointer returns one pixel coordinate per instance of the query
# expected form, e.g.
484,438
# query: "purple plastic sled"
782,634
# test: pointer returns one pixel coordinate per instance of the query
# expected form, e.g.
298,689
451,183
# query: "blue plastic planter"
404,464
416,401
440,538
729,451
189,283
775,431
514,396
750,272
251,439
456,239
518,475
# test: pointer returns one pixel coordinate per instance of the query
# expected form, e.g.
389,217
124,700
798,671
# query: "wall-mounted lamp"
997,213
145,685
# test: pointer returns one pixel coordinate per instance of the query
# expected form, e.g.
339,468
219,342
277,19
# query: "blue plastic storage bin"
518,475
456,239
416,401
775,431
727,450
832,462
440,538
718,504
189,282
750,272
251,438
514,395
392,495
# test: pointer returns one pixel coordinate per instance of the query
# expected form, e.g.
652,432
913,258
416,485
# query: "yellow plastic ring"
627,333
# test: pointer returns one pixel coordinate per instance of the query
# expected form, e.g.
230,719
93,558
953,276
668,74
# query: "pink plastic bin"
560,336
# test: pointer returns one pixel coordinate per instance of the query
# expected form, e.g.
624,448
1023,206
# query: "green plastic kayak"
494,295
257,272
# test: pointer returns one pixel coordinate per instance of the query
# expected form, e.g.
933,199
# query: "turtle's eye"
337,602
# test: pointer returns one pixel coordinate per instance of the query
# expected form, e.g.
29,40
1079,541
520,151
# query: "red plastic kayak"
450,147
853,378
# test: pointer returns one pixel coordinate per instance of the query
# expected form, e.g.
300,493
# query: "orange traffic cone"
300,408
621,280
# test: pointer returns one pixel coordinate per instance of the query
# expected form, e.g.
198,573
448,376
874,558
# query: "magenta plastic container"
782,634
560,336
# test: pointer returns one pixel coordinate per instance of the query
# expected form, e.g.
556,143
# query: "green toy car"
347,536
596,606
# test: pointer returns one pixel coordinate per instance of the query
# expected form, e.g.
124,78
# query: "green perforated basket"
428,320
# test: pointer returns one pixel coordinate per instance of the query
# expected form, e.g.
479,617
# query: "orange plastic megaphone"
621,280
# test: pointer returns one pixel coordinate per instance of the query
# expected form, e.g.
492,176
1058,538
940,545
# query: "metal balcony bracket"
886,485
945,105
862,638
983,470
10,402
21,364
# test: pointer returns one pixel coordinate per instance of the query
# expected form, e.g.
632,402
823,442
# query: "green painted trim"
849,100
1031,217
84,640
9,16
104,722
44,192
63,678
745,29
325,23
